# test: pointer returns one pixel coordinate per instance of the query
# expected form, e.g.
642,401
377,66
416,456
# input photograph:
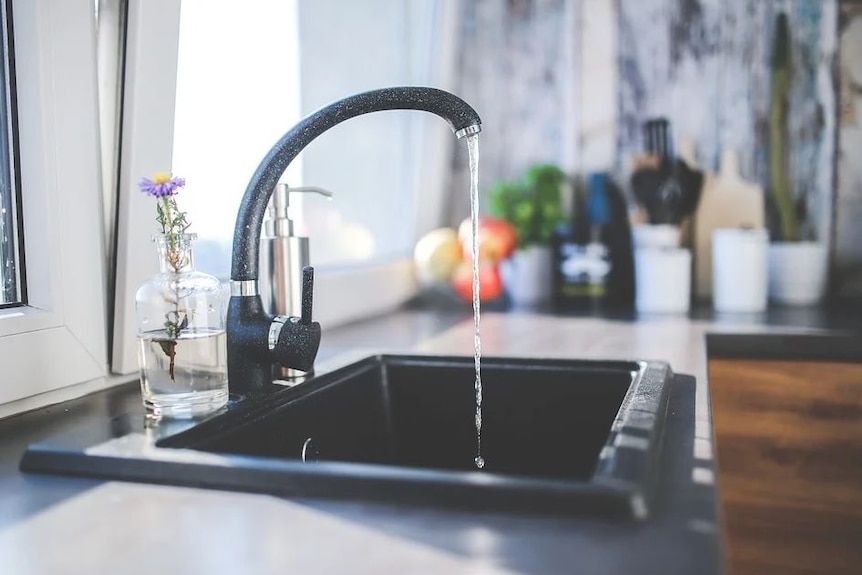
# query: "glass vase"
182,351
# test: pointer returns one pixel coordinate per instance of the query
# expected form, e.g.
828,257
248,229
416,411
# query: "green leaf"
533,204
168,347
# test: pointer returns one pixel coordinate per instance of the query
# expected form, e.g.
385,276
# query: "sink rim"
623,482
627,465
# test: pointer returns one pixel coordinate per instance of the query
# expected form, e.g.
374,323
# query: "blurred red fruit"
497,239
490,284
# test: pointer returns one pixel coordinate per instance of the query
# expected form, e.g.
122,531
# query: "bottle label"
584,269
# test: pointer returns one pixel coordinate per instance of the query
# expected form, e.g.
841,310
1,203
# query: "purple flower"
162,184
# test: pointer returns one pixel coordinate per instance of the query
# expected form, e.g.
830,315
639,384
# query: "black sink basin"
563,436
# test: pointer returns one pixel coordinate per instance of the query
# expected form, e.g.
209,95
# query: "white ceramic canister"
739,269
662,280
656,236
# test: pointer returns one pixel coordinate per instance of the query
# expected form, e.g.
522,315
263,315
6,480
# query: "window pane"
372,162
239,89
237,93
10,280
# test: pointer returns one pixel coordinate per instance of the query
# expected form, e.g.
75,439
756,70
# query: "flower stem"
174,223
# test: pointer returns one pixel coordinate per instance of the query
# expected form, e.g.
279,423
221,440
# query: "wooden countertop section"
789,442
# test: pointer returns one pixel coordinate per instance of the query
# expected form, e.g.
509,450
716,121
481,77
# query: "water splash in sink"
473,150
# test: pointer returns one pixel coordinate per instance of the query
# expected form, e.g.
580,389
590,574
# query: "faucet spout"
246,239
249,328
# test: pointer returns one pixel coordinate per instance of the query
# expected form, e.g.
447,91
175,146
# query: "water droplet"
480,463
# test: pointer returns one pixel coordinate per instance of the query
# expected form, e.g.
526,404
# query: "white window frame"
59,338
147,142
149,97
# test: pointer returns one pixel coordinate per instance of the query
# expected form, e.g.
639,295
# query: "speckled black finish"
307,293
246,239
249,358
247,347
297,345
640,419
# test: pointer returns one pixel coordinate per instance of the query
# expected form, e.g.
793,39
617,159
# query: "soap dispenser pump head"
278,222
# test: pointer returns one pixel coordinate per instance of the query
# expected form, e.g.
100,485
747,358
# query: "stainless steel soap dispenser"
282,257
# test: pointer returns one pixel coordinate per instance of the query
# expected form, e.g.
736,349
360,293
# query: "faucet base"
251,355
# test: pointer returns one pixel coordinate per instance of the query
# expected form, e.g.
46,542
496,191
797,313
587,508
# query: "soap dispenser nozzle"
278,222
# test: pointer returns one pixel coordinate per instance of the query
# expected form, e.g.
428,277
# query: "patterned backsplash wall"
705,64
571,81
848,208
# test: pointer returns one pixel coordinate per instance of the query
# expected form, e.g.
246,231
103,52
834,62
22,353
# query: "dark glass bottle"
593,265
620,292
575,285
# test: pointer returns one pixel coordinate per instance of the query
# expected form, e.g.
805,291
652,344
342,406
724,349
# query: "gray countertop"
68,525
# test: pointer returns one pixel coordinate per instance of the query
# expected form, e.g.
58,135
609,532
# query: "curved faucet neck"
246,240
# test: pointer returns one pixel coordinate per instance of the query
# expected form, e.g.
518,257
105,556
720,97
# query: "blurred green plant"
533,204
788,218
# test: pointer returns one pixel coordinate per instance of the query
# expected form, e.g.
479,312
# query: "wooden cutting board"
727,201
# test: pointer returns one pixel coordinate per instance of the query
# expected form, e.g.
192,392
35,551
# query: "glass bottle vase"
182,343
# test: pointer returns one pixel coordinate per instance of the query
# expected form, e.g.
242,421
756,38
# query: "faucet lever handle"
307,294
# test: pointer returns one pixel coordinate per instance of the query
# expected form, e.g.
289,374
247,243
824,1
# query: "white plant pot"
797,272
527,275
